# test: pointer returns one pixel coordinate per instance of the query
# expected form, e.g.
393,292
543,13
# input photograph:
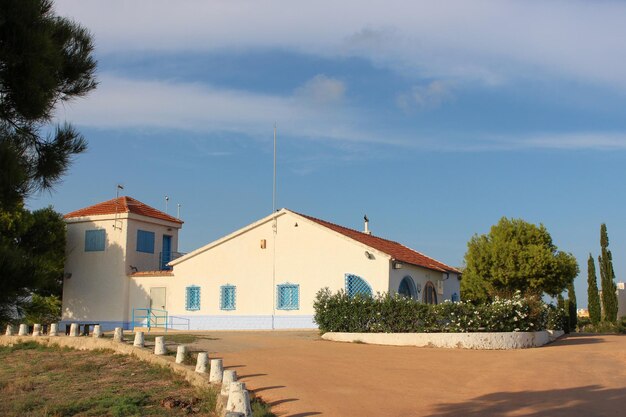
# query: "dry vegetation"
55,382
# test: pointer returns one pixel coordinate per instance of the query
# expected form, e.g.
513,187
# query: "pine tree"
572,307
607,276
592,292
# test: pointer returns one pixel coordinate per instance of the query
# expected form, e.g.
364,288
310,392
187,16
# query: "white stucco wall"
421,276
307,254
99,287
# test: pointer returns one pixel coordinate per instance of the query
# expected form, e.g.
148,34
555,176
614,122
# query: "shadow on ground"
591,400
576,339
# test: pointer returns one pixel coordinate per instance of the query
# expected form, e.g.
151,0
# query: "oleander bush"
385,313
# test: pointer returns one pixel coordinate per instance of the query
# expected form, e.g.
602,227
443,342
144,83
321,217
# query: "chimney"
367,230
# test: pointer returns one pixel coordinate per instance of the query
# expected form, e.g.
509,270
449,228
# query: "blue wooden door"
166,253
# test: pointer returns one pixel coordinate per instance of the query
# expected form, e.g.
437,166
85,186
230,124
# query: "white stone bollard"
36,330
54,330
118,335
201,363
97,331
228,377
139,340
181,353
23,330
217,371
74,330
159,345
9,331
239,399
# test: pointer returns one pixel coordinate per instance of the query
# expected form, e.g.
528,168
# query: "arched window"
357,285
407,287
430,293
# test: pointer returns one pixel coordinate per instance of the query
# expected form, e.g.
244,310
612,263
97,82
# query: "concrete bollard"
201,363
118,335
23,330
216,372
97,331
36,330
139,340
239,399
54,330
74,330
159,345
9,331
228,377
181,353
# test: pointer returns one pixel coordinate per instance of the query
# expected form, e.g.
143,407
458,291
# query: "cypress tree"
572,307
607,276
592,292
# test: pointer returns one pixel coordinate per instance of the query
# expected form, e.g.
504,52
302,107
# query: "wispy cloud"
427,96
486,40
122,103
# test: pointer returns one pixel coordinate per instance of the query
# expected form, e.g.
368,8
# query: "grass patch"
260,408
55,382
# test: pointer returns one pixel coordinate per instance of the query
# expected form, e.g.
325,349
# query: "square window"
288,297
145,241
95,240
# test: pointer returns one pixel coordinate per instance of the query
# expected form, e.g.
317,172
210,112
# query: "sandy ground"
301,375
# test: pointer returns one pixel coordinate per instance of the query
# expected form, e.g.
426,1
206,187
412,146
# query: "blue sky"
434,119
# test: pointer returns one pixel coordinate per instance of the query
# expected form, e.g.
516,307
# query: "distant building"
582,312
263,276
621,300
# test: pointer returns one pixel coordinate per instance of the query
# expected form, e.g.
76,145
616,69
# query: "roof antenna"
178,206
167,199
117,198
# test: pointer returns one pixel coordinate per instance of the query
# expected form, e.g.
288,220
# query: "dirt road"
302,375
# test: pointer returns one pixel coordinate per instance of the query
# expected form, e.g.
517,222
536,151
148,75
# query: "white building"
263,276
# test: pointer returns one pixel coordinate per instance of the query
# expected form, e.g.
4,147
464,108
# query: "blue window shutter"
95,240
288,296
192,298
228,295
145,241
357,285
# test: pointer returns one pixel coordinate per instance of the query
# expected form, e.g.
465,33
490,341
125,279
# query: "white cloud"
427,96
322,90
121,103
486,40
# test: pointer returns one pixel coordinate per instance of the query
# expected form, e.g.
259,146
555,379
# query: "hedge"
385,313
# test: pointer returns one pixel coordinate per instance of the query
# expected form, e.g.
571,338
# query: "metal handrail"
151,317
173,324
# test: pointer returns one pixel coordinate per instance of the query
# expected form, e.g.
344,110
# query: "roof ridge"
123,204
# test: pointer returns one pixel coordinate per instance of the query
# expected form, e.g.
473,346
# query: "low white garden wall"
488,341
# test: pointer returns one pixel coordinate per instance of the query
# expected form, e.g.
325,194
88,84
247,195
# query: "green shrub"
385,313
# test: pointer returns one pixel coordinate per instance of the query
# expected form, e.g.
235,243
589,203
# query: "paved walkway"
302,375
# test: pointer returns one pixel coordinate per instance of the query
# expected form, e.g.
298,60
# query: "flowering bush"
385,313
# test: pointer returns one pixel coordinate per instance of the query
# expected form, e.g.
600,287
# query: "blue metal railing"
150,317
154,317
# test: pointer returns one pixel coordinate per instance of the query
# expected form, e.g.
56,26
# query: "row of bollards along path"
238,397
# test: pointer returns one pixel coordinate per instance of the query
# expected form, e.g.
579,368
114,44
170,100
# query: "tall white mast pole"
274,190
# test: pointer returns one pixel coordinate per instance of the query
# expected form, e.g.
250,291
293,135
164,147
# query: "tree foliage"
572,306
32,249
515,256
45,60
593,298
607,277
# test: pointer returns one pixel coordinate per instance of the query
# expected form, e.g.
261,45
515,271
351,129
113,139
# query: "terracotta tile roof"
123,205
396,250
152,274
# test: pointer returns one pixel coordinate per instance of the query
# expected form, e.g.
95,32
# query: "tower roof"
122,205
